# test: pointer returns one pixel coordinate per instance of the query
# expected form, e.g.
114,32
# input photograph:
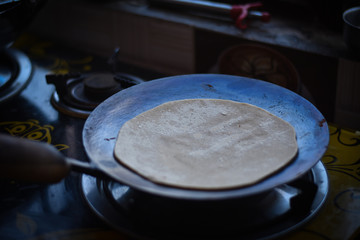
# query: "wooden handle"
31,161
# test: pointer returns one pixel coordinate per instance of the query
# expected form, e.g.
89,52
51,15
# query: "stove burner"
264,216
15,72
78,94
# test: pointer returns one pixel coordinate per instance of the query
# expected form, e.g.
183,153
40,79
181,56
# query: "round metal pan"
102,126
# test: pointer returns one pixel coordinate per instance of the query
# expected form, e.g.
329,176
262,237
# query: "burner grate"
78,94
274,213
15,73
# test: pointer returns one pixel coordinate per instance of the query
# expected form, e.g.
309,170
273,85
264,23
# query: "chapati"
206,144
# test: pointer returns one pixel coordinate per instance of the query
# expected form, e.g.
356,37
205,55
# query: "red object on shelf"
241,12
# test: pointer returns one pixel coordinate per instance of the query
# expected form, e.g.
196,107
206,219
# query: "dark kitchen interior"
61,60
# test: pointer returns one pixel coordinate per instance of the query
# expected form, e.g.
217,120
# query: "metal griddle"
102,126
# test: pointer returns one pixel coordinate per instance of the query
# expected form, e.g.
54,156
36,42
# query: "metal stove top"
264,216
32,210
66,210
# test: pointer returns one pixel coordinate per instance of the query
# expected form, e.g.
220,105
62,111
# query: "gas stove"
59,88
274,213
32,109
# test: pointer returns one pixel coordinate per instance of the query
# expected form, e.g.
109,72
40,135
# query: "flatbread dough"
207,144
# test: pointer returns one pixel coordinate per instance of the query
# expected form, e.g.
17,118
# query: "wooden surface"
297,33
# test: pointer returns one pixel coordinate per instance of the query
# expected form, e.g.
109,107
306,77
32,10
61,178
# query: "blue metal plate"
102,126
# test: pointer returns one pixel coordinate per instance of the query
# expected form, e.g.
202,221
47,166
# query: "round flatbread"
207,144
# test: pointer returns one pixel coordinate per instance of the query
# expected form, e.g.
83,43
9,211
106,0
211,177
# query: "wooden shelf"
184,42
306,36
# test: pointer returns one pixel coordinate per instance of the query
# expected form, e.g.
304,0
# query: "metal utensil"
239,12
101,128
